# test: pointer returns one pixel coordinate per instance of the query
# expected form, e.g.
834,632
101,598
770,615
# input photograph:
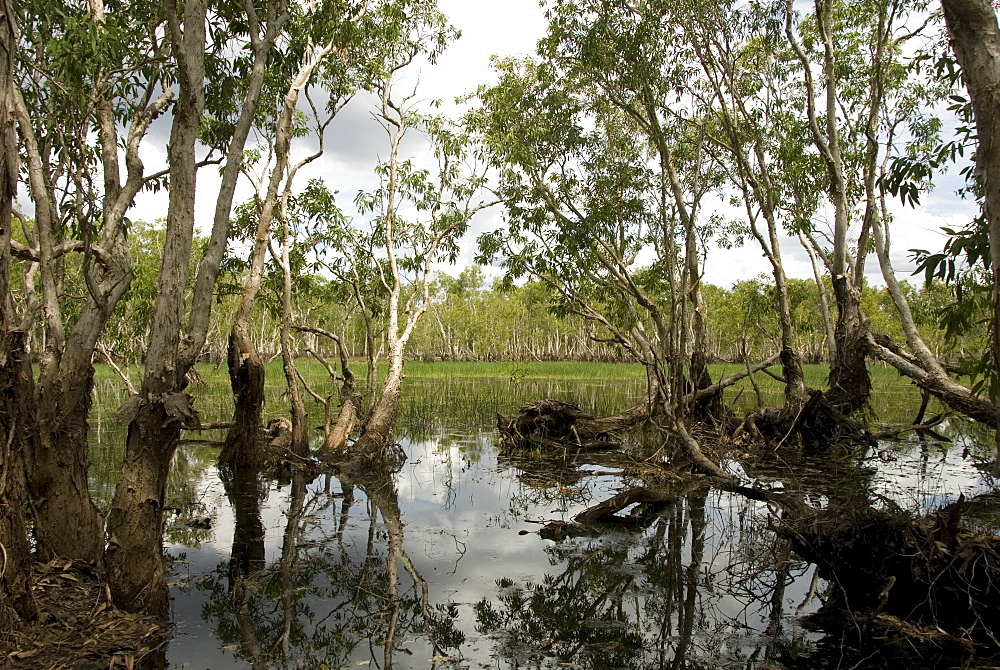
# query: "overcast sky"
512,27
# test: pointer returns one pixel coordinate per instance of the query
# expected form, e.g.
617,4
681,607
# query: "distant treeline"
472,318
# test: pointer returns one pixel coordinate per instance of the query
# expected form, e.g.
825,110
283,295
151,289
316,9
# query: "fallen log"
215,425
942,387
556,424
924,427
599,517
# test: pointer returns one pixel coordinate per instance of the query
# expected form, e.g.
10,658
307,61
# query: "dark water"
441,564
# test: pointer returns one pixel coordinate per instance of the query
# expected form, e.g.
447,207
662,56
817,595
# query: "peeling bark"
16,600
377,439
850,385
135,522
67,523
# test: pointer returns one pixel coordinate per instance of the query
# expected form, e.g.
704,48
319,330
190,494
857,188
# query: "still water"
441,564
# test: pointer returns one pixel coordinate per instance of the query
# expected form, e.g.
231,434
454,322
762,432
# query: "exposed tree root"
814,426
933,573
555,424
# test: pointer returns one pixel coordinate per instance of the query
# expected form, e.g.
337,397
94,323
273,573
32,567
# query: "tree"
416,217
756,135
246,371
850,385
443,200
964,263
16,600
975,35
593,176
82,71
156,415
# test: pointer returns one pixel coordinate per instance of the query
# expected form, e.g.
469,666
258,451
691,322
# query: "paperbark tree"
568,135
849,382
444,200
975,38
745,85
246,370
346,52
156,415
57,105
16,600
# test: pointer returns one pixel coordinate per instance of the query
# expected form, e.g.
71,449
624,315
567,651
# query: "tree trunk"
711,406
155,417
16,600
67,523
246,371
922,366
300,427
135,522
246,378
378,430
850,384
975,37
348,420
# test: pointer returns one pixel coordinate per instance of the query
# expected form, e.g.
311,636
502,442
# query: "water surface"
441,564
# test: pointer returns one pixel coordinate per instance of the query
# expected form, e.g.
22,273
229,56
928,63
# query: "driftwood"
603,515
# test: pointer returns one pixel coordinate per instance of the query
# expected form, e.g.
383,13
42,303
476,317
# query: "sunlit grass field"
894,398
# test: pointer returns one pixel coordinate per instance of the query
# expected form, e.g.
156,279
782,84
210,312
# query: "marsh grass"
457,402
599,388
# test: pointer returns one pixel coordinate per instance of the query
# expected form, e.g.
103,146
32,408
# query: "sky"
511,28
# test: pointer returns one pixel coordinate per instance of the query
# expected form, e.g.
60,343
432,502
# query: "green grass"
892,396
524,370
883,377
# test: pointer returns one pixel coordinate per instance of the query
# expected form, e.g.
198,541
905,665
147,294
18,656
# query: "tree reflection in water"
703,583
329,598
699,589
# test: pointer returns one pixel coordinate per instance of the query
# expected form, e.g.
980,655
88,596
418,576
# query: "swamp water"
441,564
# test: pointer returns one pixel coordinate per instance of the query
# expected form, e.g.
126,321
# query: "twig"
128,382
